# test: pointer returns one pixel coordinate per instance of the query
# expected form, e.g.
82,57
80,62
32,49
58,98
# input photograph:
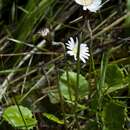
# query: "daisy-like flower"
73,48
91,5
44,32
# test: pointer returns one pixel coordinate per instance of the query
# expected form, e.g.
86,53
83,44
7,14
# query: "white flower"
91,5
73,48
44,32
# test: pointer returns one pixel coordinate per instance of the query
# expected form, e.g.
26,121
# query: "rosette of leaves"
19,117
68,85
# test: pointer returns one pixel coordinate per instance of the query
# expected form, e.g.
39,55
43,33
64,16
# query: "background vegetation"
43,88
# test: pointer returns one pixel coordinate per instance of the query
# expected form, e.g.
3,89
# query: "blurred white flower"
91,5
44,32
73,48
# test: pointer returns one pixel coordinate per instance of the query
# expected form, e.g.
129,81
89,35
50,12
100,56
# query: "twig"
109,27
5,84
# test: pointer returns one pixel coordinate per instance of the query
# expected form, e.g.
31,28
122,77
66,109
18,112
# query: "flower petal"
85,8
83,2
96,5
70,53
71,42
75,57
85,54
77,41
84,61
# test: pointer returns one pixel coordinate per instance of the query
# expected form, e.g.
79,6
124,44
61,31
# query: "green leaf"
53,118
115,88
21,117
114,75
72,85
113,116
114,79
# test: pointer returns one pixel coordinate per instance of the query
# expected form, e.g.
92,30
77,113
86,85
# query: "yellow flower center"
74,50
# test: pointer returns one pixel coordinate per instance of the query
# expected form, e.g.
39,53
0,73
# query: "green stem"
68,82
77,88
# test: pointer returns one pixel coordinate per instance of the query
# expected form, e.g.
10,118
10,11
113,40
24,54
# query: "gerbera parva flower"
91,5
72,47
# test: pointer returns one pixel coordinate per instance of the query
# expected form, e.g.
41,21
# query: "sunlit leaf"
19,117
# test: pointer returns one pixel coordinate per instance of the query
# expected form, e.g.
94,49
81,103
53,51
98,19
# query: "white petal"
70,48
84,50
77,41
75,57
83,45
71,42
85,54
78,2
70,53
96,5
83,2
84,61
97,2
85,57
68,44
85,8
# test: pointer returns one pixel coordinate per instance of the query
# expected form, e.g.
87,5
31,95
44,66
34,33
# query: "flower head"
91,5
73,49
44,32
